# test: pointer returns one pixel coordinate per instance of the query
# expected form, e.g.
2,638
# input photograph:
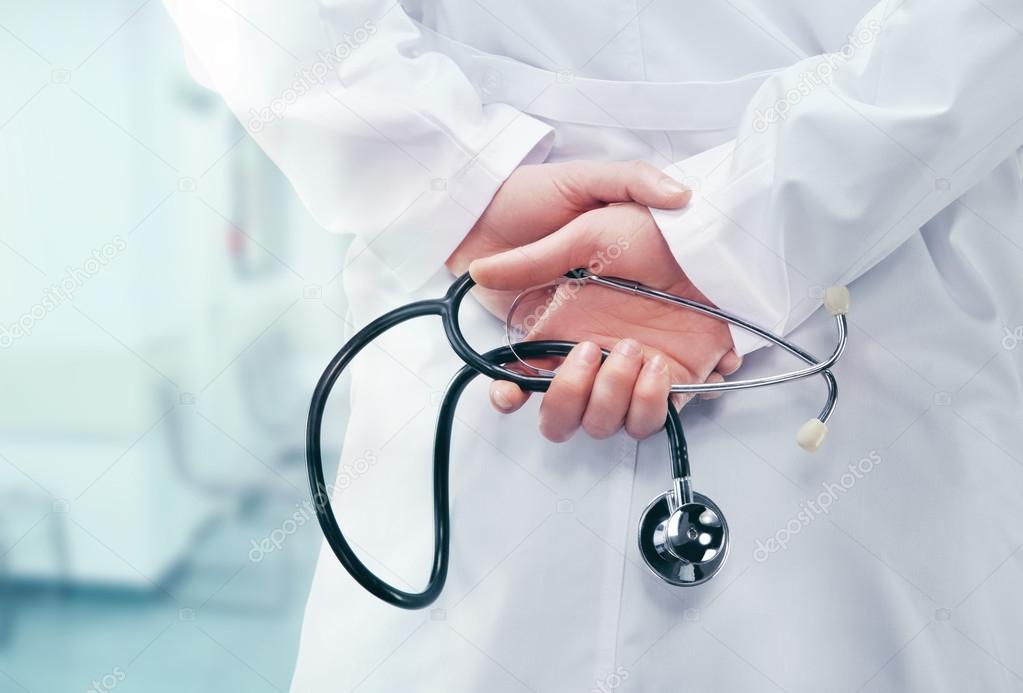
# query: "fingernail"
628,347
680,399
656,365
500,399
713,378
735,359
672,186
588,353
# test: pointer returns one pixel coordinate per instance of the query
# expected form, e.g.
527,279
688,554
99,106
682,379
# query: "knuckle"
650,391
555,434
640,168
619,373
571,185
598,428
571,387
585,254
638,430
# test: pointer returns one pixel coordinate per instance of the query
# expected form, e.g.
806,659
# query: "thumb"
624,181
538,262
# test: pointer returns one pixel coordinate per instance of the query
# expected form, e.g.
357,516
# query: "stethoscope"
683,535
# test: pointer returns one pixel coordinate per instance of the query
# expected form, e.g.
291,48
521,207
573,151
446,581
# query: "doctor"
823,143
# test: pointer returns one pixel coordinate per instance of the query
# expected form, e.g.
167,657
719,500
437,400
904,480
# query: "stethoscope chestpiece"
683,544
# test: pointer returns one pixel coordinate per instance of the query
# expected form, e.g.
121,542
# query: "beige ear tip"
811,435
836,300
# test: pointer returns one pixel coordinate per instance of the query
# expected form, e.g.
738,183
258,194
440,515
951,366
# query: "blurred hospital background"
165,308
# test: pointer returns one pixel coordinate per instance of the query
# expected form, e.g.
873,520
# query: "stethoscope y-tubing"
321,494
488,364
492,365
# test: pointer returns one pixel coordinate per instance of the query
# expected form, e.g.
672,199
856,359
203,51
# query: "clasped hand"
550,218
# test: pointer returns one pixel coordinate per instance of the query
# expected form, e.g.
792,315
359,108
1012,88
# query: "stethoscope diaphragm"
683,544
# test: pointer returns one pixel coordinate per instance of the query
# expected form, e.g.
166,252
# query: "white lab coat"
828,143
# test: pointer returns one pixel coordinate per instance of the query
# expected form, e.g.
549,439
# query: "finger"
713,378
681,399
507,397
649,404
541,261
532,365
612,390
588,183
563,405
729,363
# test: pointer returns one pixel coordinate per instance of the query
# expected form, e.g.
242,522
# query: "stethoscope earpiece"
811,435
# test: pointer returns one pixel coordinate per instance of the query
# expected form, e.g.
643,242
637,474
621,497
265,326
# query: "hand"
653,344
536,200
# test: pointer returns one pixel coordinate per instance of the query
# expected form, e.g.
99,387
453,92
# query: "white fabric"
864,147
345,110
900,174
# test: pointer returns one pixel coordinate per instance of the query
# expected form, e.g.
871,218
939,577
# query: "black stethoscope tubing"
489,364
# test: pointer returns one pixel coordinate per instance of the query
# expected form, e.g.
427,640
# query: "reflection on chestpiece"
683,535
683,544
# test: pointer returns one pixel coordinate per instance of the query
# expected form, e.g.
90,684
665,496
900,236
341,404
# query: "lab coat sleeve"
378,137
842,157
